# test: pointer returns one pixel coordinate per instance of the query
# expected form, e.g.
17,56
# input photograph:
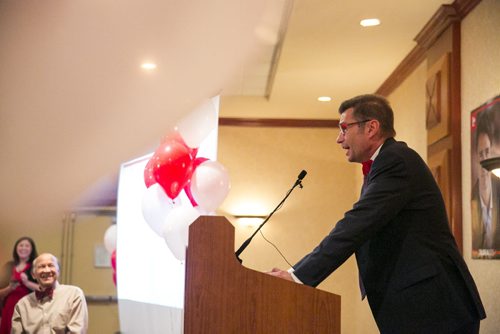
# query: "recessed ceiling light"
324,98
369,22
148,66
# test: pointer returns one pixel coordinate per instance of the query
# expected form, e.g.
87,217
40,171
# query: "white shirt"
486,211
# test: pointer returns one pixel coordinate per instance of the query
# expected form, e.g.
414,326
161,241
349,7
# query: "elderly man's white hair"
54,259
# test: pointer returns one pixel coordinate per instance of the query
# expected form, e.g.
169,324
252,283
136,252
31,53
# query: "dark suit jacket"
415,278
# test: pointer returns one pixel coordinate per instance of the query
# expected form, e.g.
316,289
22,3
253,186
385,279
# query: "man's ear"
373,128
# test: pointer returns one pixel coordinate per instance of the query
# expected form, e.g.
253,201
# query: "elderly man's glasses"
344,126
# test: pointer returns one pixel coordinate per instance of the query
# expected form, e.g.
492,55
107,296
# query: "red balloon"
194,152
187,188
149,178
176,136
198,161
172,166
113,260
113,265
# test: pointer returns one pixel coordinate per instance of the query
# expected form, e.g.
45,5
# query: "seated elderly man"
56,308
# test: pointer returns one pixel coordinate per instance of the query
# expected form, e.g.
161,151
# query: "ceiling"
74,103
325,51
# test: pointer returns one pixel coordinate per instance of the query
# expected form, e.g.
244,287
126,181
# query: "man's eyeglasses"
344,126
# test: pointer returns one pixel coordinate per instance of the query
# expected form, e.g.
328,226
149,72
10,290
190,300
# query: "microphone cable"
247,242
275,247
269,241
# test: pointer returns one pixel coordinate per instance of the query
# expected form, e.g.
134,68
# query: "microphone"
301,176
247,242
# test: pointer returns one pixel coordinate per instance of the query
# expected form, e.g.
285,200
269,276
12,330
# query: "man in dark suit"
486,190
410,267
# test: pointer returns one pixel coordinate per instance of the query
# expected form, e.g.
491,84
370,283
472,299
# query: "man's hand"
281,274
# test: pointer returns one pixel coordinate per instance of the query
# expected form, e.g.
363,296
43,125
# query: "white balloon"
210,185
156,206
198,124
110,239
176,229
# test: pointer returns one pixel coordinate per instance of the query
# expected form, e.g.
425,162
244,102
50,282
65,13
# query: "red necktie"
366,166
45,293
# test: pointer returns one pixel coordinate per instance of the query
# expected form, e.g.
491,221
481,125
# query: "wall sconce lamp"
492,165
249,220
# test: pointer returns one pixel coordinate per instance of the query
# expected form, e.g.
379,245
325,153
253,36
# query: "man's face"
46,271
354,140
483,151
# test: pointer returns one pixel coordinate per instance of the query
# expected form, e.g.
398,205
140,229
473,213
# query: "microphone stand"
247,242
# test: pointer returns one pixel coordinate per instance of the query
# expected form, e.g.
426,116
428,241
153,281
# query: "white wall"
480,82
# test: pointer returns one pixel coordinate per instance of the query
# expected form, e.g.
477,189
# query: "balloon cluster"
175,167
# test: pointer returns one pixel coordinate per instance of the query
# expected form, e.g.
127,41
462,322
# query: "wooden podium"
222,296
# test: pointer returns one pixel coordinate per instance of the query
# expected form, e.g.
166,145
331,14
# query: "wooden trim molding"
279,122
438,94
439,164
444,17
456,130
446,137
464,7
440,21
404,69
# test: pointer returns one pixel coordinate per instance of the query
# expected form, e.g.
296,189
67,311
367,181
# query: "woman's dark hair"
33,254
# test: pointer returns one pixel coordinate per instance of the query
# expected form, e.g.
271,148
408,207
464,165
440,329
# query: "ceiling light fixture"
369,22
250,220
148,66
324,98
492,165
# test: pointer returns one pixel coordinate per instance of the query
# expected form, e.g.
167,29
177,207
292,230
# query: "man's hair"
495,110
490,120
371,106
484,125
54,259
